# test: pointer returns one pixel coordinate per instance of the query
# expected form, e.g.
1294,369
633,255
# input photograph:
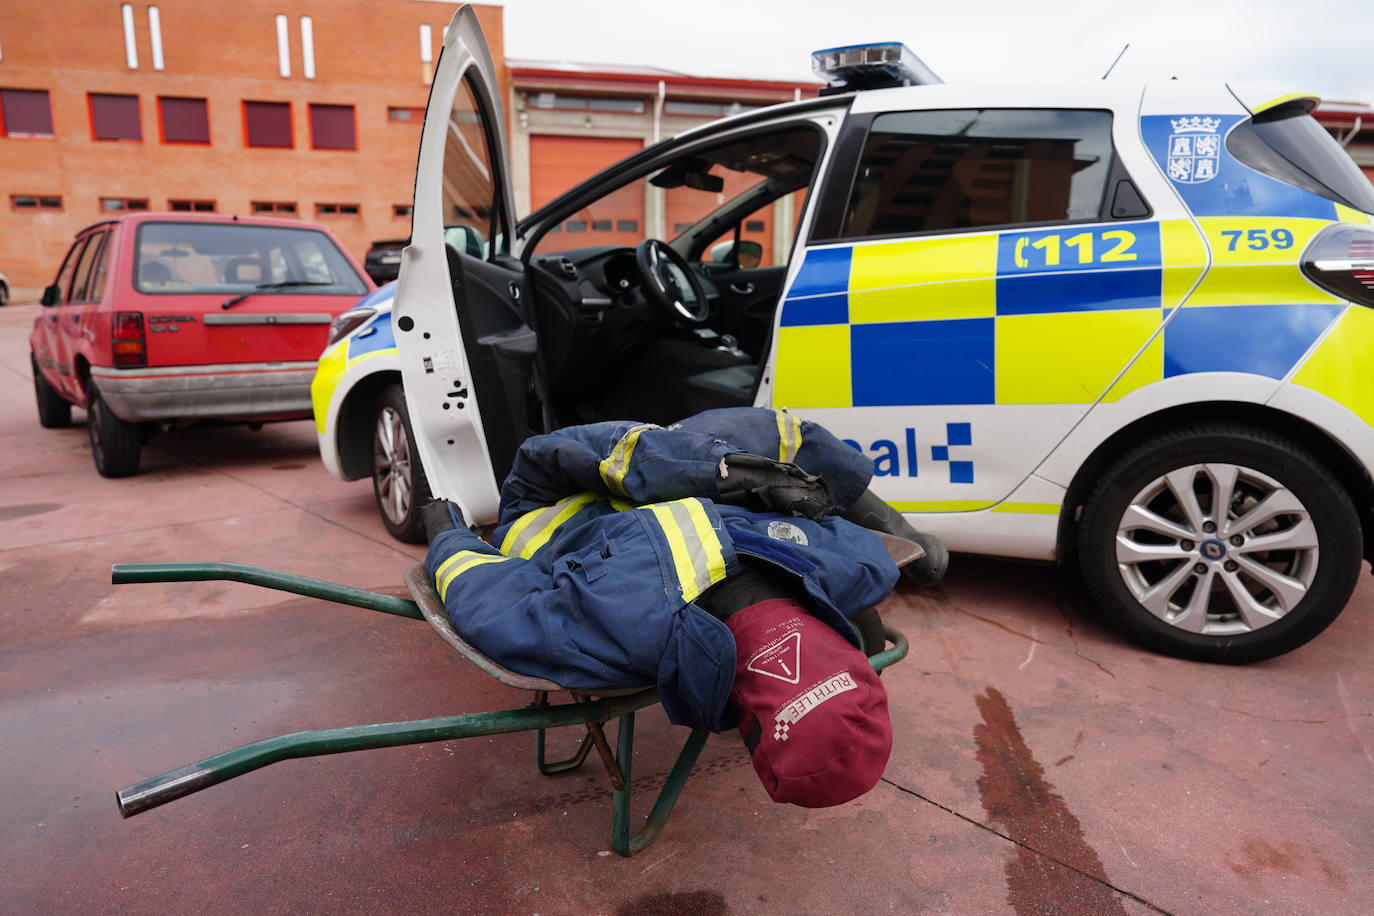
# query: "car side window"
64,276
934,171
470,175
83,279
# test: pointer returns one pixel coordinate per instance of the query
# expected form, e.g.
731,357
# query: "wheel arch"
1331,451
353,424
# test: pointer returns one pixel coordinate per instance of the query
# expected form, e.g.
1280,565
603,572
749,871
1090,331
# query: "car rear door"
465,347
62,315
979,273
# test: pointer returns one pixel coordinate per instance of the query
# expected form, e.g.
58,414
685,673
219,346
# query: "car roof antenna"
1117,61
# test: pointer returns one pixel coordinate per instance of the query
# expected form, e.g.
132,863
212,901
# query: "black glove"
762,484
440,515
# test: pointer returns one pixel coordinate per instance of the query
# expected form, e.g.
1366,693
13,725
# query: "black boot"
870,511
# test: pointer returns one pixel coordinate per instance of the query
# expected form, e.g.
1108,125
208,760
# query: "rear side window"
932,171
1287,143
186,257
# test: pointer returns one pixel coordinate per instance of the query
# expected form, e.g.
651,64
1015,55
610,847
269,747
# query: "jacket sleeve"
640,463
780,435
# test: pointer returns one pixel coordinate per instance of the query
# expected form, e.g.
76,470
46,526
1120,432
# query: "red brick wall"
367,54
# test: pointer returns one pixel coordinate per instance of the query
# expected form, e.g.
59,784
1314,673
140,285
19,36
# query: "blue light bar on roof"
875,66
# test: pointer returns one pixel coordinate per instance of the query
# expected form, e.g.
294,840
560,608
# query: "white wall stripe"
283,47
308,47
130,48
155,36
426,44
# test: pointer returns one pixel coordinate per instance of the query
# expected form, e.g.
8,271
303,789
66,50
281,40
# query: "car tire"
398,478
4,295
115,444
54,412
1256,580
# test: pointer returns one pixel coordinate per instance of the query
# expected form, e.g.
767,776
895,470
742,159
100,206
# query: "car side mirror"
749,254
52,295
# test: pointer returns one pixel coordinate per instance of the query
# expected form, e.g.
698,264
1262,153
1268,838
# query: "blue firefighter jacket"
607,533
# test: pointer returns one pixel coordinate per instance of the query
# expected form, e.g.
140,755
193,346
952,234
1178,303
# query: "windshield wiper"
230,303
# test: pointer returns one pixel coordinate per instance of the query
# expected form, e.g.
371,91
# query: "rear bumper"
240,390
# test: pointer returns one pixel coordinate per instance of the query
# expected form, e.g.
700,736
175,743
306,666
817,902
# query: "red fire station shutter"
558,163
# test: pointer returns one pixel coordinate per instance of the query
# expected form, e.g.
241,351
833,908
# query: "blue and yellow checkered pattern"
1038,317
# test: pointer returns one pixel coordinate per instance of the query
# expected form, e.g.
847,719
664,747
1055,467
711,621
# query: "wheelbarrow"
592,709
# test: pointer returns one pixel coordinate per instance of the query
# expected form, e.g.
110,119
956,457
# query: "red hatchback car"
160,320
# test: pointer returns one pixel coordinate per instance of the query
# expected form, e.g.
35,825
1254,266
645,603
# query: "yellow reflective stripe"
328,372
532,530
620,505
1028,508
458,564
698,558
947,505
617,464
1311,97
789,435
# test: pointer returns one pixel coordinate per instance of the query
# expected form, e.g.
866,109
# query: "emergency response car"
1126,325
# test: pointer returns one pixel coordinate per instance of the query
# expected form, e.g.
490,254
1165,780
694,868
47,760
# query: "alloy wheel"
1217,549
391,466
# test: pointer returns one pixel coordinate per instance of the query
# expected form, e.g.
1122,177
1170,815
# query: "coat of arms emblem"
1194,149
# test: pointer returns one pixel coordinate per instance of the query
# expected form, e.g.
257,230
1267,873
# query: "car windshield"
185,257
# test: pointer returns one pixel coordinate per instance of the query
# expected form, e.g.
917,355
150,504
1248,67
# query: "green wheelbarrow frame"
592,709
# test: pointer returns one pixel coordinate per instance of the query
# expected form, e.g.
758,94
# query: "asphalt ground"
1042,764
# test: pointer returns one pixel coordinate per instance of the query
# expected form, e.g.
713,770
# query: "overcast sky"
1317,45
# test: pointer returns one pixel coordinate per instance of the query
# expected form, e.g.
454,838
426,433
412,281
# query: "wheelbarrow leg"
622,841
553,767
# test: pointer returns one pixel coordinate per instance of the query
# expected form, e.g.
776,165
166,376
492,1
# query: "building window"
35,202
577,225
402,211
585,102
183,120
268,124
336,209
754,225
332,127
694,109
191,206
270,206
123,203
115,117
601,225
26,112
679,228
627,225
409,115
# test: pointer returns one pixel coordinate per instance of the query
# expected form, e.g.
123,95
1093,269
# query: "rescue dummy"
689,558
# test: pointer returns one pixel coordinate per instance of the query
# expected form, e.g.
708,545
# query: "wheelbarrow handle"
124,573
213,770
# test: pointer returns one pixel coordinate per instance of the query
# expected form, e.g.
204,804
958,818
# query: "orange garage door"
558,163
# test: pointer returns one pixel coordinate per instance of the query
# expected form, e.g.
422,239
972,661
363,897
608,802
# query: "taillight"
1340,259
127,339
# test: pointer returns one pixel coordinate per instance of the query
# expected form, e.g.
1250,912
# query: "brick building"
309,109
569,121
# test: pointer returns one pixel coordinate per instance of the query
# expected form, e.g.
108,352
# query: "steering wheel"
670,284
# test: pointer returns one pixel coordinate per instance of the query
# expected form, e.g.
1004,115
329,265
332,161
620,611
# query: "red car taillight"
1340,259
127,339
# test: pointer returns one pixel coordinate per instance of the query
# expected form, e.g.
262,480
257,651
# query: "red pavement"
1042,764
